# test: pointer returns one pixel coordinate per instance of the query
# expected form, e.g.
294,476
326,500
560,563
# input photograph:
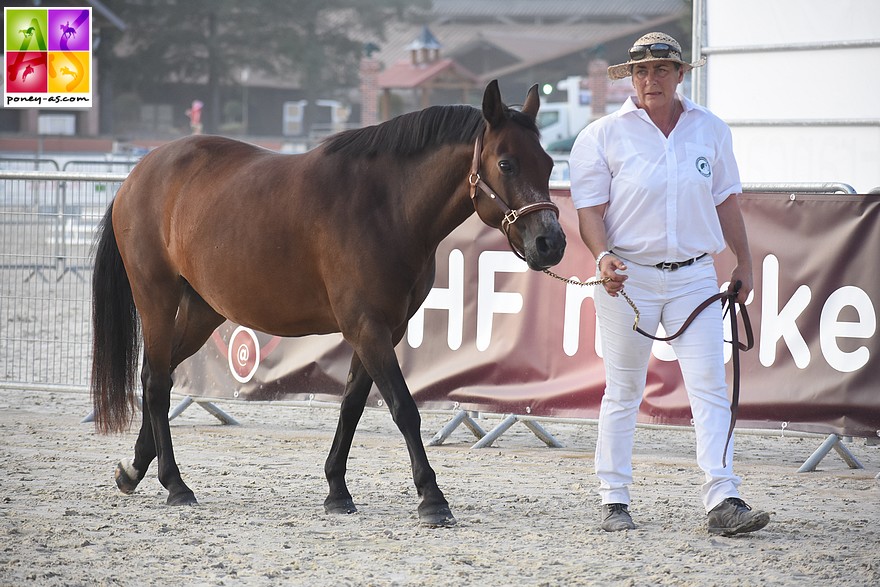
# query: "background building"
255,85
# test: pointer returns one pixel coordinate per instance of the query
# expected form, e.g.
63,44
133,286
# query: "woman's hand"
608,268
744,276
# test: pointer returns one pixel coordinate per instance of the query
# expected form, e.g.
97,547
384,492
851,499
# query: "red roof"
405,74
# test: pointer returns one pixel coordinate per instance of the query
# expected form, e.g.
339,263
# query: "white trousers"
663,297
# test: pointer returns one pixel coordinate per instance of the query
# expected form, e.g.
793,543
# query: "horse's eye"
506,166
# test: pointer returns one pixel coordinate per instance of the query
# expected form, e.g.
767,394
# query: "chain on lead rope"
601,281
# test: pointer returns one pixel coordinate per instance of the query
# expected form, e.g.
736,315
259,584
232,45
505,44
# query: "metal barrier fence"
47,228
95,165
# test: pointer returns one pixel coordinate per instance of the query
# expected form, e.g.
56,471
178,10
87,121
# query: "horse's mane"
414,132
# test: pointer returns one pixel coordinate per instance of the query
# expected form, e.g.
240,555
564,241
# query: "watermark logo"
48,58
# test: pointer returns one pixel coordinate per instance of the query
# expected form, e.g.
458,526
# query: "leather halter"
510,216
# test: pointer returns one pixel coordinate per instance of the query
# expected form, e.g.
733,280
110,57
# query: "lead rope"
728,300
600,281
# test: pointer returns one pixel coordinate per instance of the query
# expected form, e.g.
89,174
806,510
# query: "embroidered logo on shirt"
703,167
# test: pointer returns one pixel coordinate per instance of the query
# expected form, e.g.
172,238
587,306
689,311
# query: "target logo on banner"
243,354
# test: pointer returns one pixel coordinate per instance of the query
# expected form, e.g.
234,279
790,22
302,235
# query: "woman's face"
655,83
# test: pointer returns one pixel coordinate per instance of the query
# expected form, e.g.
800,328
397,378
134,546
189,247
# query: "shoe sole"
752,525
618,528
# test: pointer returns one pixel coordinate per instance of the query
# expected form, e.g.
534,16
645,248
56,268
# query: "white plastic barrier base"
833,441
183,405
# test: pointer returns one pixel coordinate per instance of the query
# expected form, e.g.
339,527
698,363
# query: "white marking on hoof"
133,473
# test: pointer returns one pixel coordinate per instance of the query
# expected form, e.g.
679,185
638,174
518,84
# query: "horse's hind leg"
357,388
194,322
157,400
130,473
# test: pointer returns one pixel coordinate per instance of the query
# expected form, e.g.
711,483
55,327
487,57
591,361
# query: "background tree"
209,43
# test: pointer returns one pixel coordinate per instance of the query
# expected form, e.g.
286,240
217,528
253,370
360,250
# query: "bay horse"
339,239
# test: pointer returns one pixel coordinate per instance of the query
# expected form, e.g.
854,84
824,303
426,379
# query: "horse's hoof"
339,506
125,482
437,517
186,498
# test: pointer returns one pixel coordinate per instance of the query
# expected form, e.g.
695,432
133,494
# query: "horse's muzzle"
547,248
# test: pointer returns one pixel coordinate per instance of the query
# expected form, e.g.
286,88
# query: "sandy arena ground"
527,514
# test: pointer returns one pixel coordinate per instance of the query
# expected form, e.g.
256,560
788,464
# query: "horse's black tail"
115,343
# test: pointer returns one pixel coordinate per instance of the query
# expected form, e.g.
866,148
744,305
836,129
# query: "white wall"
827,98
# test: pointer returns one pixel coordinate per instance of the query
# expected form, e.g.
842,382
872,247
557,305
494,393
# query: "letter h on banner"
450,299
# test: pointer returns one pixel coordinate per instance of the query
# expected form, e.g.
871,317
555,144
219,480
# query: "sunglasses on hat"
657,51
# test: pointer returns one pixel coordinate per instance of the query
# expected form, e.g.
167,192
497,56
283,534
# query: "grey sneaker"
734,516
615,517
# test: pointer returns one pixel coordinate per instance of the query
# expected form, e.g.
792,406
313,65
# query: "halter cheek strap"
510,216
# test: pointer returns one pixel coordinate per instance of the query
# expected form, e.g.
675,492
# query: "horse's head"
508,157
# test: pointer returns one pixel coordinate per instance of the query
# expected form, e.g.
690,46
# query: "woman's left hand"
747,284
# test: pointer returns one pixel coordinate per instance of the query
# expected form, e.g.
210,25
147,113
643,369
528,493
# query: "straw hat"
623,70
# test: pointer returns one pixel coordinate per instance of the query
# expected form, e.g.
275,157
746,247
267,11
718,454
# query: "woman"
654,184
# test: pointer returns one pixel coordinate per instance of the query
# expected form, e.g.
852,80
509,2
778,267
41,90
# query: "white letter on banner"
776,324
491,302
450,299
728,335
830,329
571,324
663,351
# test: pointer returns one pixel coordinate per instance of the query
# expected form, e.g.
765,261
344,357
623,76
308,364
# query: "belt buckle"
674,266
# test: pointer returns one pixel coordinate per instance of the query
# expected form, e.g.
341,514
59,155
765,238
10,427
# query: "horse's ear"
532,103
493,107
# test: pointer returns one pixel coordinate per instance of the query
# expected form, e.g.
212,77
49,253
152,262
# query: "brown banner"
496,337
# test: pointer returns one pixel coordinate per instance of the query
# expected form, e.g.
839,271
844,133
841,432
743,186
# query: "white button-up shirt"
661,192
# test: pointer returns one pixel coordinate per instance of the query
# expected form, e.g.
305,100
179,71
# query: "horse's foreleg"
357,388
434,509
382,363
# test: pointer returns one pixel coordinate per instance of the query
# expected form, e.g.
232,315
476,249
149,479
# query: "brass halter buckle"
473,180
510,217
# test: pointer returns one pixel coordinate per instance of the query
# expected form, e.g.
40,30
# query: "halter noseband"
510,216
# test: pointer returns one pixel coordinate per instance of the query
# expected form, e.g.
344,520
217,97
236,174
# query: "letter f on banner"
491,302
